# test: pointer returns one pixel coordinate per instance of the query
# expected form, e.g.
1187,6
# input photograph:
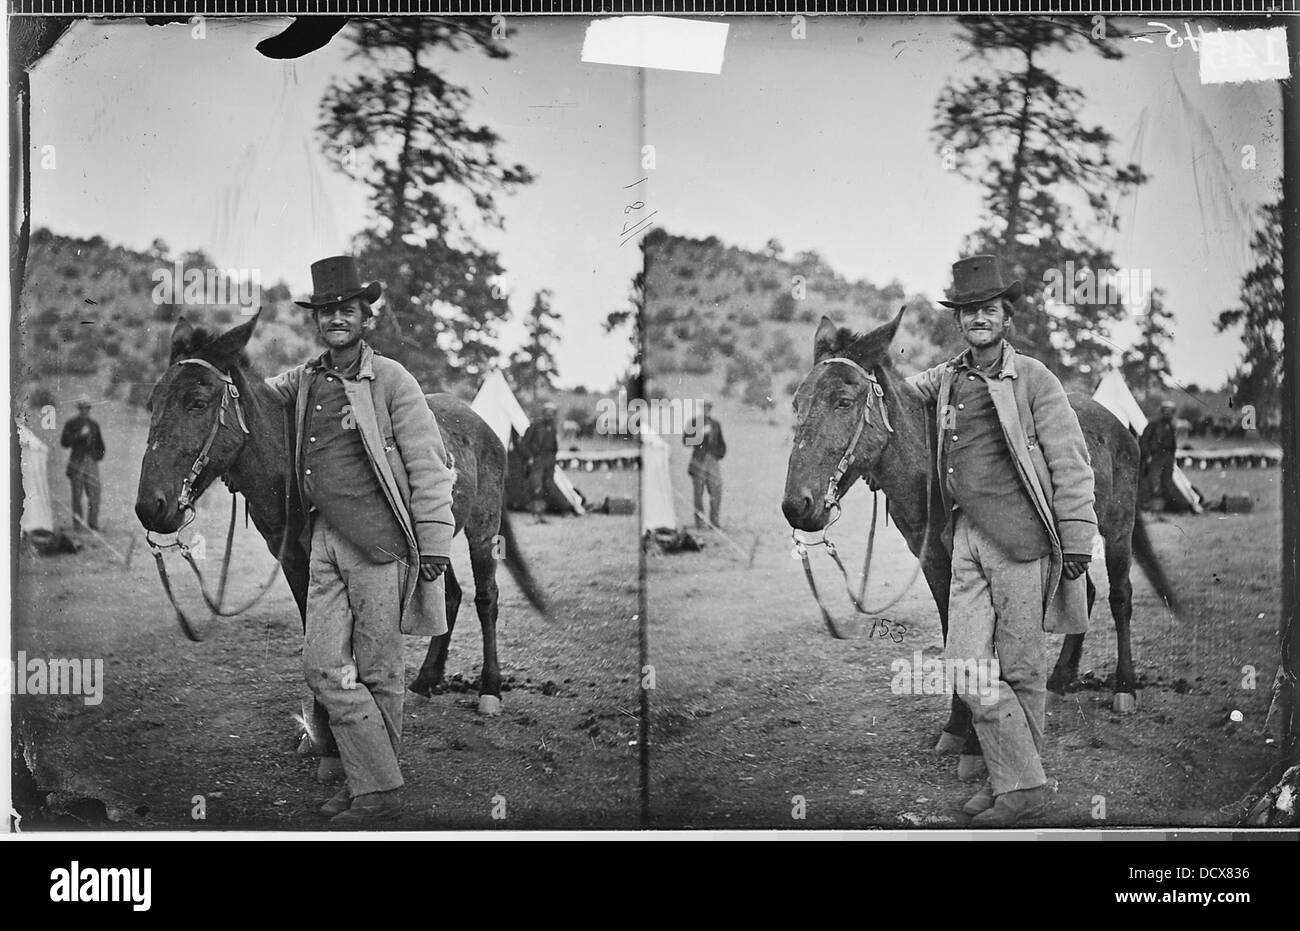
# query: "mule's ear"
891,328
825,338
182,340
226,348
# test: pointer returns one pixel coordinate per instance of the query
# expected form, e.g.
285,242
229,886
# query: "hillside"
738,324
87,317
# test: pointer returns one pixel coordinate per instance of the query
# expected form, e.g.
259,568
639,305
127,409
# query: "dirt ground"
760,716
216,720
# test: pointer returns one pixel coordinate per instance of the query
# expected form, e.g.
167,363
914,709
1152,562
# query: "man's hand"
433,566
1075,565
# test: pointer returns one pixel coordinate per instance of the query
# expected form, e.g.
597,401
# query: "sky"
822,142
208,145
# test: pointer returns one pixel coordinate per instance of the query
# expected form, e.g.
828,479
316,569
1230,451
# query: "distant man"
81,435
372,469
540,444
1158,444
1017,487
705,468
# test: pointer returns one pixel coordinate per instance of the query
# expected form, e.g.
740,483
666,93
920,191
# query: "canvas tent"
1113,394
657,509
497,405
37,513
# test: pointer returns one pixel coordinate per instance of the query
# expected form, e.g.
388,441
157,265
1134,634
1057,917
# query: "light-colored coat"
1051,457
405,448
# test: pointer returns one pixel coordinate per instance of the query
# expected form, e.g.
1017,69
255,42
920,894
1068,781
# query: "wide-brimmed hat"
335,280
978,279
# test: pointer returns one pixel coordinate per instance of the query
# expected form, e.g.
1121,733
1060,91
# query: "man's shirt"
979,473
337,478
706,448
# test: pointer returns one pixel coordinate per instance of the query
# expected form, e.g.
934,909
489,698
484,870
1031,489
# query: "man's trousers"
352,655
995,612
707,477
84,477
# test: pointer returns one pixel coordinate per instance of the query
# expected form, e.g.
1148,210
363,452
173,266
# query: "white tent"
497,405
657,508
37,513
1113,394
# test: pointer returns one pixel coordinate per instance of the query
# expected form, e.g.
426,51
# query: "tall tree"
1258,379
434,178
1146,365
532,366
1016,129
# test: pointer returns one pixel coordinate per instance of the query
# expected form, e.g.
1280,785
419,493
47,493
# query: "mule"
829,407
186,407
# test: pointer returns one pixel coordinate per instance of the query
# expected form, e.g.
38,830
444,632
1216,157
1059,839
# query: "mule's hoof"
1124,703
305,746
417,696
949,743
489,705
330,769
970,768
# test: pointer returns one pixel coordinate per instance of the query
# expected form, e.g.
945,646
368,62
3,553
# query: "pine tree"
1016,130
532,366
432,174
1258,379
1146,366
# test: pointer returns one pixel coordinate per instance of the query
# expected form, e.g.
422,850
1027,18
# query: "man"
1158,443
705,467
374,475
1017,487
540,445
81,435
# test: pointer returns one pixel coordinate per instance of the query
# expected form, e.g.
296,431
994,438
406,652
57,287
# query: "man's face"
342,325
982,324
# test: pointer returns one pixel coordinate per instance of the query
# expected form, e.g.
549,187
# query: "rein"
185,502
832,501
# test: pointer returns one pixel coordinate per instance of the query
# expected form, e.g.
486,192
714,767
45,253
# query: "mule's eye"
843,404
196,404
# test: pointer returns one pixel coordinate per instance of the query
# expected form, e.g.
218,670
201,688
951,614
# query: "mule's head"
829,406
183,408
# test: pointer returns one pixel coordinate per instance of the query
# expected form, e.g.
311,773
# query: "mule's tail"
1144,555
514,560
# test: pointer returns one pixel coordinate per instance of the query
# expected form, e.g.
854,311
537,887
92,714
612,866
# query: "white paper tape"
1235,56
656,42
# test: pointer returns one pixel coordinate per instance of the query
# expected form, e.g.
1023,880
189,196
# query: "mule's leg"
483,560
1118,559
1067,664
435,661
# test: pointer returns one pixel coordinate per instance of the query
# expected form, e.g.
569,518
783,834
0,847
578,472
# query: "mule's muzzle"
157,514
804,511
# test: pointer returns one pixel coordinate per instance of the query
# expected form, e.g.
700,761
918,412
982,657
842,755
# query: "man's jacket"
1051,458
706,451
405,449
540,439
86,447
1158,439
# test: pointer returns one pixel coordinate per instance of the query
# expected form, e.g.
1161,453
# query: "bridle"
229,398
185,502
831,499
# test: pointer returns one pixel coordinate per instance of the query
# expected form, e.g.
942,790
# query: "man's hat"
84,402
1168,405
550,406
335,280
978,279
